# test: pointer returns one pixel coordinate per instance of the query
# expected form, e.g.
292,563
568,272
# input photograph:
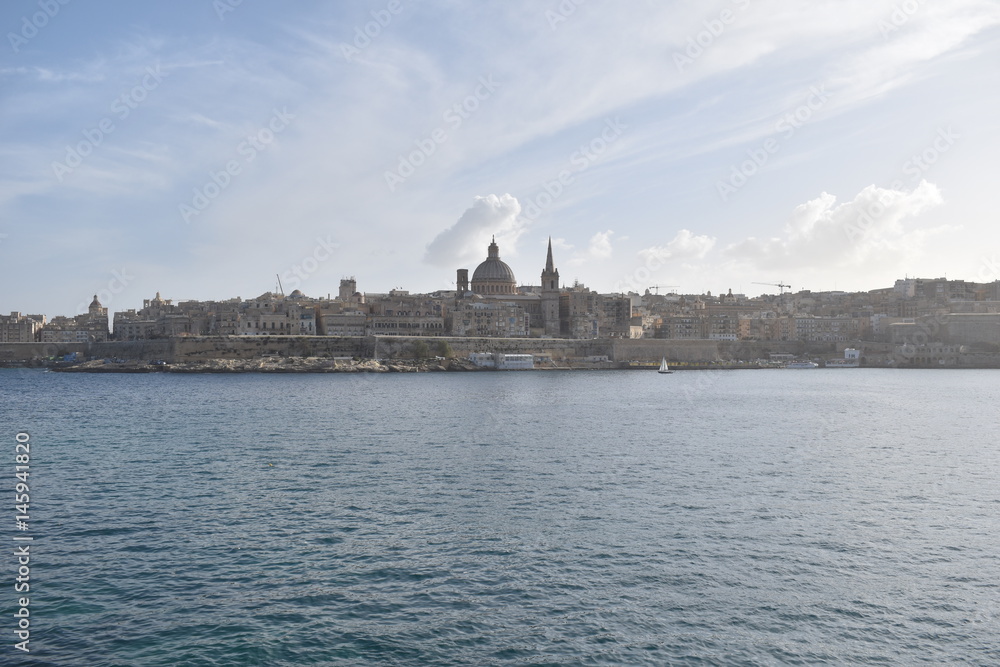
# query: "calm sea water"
547,518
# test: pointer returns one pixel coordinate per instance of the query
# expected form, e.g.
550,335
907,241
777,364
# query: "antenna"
282,291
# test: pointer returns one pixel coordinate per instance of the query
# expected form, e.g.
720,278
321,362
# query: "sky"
205,148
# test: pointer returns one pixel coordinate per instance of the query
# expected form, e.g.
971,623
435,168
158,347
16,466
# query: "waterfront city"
916,322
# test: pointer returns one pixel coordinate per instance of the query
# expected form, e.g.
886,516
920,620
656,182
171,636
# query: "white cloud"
684,245
869,228
600,245
598,248
559,243
467,239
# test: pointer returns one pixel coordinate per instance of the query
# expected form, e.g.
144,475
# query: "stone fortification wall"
141,349
967,328
29,351
651,349
195,348
557,348
389,347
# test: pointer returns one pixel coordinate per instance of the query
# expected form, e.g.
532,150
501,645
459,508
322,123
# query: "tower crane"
781,287
656,288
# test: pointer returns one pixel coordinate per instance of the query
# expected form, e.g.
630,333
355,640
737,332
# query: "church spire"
550,296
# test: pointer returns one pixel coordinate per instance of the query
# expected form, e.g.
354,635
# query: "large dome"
493,276
494,270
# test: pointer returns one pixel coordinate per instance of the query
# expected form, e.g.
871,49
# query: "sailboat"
663,366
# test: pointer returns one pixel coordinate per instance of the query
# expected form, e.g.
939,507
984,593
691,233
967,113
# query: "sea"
748,517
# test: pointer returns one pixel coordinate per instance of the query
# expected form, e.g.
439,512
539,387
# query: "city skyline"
201,149
290,286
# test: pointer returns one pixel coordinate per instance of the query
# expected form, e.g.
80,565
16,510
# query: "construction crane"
781,287
657,288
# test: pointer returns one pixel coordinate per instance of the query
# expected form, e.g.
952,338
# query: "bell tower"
550,295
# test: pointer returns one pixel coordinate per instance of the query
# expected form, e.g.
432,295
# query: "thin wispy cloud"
413,112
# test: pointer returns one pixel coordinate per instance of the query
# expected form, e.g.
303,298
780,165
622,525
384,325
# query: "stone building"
276,315
401,314
160,318
91,326
489,317
18,328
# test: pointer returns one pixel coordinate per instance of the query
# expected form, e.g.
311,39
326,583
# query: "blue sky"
199,148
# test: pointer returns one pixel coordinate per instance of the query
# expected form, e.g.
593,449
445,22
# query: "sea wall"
139,349
29,351
557,348
652,349
196,348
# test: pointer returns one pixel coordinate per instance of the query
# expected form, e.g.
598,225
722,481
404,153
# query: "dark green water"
548,518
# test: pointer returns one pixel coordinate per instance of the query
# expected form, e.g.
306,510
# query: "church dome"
493,276
494,270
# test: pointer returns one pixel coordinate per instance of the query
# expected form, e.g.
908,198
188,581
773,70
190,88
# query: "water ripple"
578,519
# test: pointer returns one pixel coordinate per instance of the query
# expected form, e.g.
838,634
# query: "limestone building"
91,326
18,328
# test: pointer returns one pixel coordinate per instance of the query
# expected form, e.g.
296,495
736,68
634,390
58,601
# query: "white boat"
801,364
663,366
